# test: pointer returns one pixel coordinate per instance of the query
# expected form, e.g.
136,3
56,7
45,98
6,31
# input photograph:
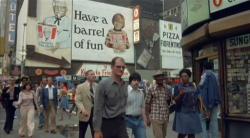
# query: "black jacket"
6,96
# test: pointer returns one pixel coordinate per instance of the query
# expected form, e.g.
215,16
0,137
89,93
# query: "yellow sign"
2,46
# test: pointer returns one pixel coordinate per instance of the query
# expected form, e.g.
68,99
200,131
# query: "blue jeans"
137,125
213,131
41,119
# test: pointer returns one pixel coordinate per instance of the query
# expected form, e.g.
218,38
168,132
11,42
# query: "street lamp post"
23,53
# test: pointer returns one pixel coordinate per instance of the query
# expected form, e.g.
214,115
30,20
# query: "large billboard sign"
101,31
170,46
217,5
65,30
49,35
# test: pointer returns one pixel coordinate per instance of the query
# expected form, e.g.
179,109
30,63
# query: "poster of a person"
116,37
55,31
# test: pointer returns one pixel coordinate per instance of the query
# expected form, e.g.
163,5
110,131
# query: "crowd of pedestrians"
114,108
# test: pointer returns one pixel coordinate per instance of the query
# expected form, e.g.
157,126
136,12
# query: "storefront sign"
102,70
136,24
170,47
217,5
238,41
50,72
101,31
193,11
12,23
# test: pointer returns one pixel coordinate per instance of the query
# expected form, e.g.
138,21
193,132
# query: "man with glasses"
110,104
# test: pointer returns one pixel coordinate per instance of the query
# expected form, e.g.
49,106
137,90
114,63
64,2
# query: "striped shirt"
135,102
156,100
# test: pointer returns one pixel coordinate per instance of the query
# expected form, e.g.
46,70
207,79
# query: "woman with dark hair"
186,121
28,103
9,95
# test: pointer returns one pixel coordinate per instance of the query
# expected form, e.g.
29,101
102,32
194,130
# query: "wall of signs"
238,74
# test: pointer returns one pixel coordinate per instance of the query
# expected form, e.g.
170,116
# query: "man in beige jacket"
85,102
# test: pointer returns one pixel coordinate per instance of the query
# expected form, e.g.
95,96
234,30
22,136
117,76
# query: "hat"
159,73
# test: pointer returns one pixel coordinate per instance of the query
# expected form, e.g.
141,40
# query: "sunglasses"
120,67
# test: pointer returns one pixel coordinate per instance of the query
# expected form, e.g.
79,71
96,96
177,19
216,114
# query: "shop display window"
238,74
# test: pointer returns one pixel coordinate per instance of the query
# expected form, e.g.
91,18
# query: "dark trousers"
10,113
114,128
184,135
84,125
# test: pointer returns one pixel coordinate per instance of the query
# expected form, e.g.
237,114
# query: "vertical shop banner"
101,31
12,23
170,47
148,50
49,34
3,4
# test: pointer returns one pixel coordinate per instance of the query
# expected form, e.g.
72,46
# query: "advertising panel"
101,31
194,11
101,70
170,47
49,34
148,51
217,5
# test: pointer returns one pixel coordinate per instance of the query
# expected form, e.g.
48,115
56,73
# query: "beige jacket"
83,99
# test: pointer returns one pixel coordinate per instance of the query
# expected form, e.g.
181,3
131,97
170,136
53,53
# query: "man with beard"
157,108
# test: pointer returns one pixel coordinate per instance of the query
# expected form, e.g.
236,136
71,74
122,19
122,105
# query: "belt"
134,116
121,116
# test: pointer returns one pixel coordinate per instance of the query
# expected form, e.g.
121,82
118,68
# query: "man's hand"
98,134
182,93
85,112
148,122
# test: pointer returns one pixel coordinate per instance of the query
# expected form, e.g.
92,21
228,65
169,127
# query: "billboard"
193,11
101,31
148,50
49,35
217,5
170,47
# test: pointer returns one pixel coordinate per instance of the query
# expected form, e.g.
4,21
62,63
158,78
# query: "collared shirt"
110,101
135,102
50,90
156,99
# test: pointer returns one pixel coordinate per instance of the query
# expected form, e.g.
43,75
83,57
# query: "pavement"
68,128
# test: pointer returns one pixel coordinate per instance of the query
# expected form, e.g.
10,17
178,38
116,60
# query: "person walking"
186,120
39,91
85,102
211,99
64,101
9,95
28,104
157,107
110,103
73,107
49,105
135,109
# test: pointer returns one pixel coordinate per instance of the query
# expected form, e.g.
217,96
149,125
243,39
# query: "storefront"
224,39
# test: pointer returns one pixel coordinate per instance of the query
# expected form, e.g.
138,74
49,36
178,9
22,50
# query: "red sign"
217,3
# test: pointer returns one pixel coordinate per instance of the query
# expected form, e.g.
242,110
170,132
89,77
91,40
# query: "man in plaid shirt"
157,107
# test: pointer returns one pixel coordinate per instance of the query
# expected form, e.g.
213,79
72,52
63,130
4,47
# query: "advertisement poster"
170,46
101,70
148,51
49,34
101,31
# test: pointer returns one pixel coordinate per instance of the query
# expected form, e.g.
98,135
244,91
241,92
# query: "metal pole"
23,51
163,10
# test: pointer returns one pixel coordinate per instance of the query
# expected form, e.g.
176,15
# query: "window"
238,74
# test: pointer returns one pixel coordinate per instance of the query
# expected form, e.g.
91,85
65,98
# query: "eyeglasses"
120,67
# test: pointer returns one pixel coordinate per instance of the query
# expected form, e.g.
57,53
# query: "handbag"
34,102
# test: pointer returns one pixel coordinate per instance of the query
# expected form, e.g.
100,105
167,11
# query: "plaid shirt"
156,101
